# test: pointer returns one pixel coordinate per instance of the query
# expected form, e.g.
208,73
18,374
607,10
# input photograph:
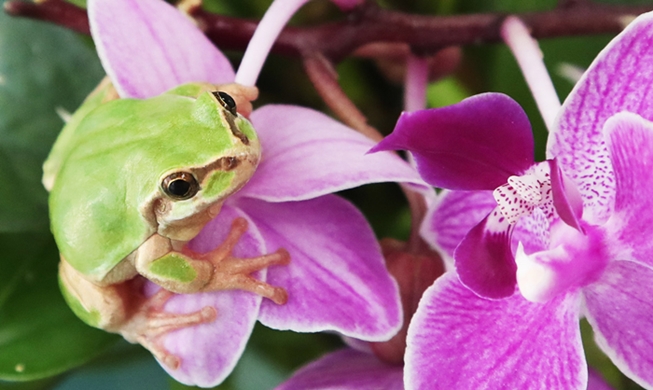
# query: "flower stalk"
528,55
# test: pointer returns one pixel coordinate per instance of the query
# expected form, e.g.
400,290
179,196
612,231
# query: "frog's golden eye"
227,101
180,185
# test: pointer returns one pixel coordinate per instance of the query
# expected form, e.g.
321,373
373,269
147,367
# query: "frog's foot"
234,273
150,323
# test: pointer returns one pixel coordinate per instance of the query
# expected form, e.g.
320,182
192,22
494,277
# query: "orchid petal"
356,344
306,154
209,352
620,311
596,382
336,279
458,340
453,215
346,369
630,141
566,198
484,258
473,145
148,47
619,79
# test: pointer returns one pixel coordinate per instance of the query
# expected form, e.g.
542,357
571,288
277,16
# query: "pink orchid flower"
346,369
336,280
537,245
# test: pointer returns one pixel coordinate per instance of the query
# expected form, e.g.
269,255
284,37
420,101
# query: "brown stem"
369,23
562,4
53,11
324,78
418,208
423,33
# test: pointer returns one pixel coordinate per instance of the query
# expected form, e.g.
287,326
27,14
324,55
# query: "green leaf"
33,385
39,335
43,69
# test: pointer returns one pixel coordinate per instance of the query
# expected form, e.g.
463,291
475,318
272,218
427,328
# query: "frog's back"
102,197
102,94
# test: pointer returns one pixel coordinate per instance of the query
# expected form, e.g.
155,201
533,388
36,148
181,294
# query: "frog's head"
190,196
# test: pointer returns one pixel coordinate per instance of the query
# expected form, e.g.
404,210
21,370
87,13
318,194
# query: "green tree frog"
131,183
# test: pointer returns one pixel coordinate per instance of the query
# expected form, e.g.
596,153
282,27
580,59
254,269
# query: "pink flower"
582,225
336,280
346,369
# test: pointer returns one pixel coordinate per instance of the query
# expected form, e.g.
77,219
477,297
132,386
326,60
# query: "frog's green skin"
111,218
106,197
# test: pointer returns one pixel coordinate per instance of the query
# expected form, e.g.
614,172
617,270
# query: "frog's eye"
227,101
180,185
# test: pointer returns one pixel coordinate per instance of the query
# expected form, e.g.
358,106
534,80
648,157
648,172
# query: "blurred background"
46,70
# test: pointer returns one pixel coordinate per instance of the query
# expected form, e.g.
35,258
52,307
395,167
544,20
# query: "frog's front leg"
123,308
186,271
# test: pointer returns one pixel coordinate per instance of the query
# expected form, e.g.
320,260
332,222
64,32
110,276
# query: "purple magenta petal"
596,382
346,369
458,340
306,154
209,352
629,140
484,258
148,47
620,310
336,279
473,145
619,79
566,198
453,215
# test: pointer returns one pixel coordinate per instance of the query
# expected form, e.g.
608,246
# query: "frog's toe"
235,274
151,322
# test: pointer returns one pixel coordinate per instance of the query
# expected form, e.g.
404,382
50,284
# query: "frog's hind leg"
104,307
123,308
150,322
